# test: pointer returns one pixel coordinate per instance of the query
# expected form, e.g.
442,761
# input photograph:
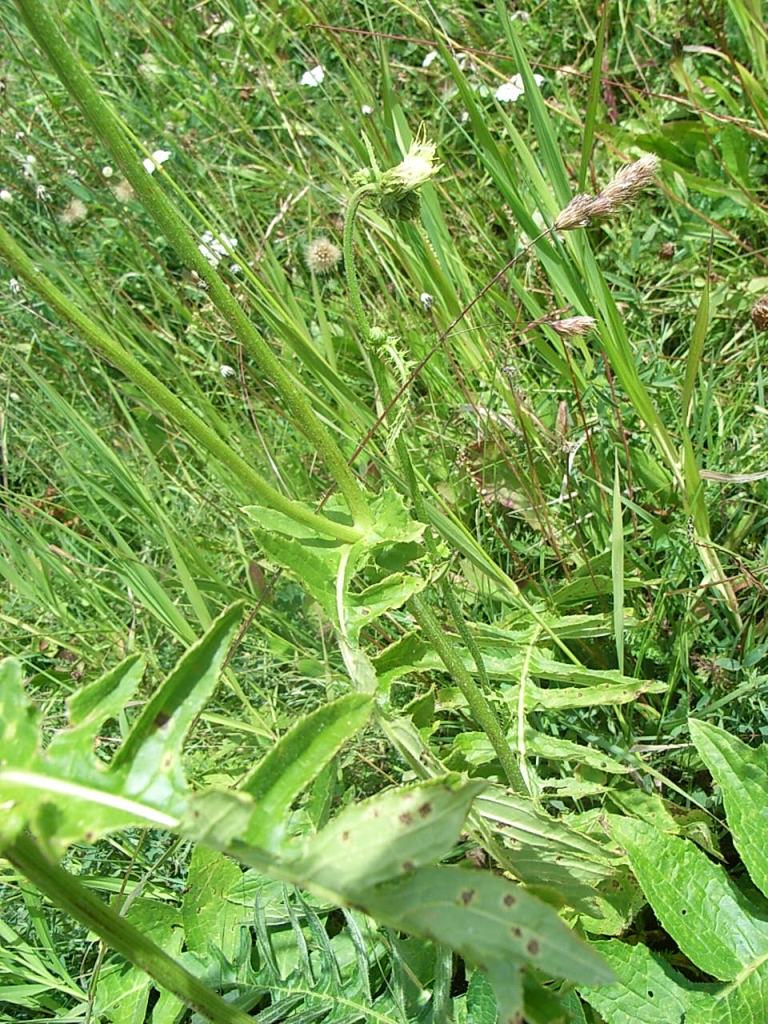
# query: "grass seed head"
572,326
322,256
576,214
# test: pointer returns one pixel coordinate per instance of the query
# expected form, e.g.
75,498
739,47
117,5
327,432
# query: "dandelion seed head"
123,191
322,255
74,212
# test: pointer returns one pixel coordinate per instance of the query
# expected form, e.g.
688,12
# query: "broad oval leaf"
741,772
711,921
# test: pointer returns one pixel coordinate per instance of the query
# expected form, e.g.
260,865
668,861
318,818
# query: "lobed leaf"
297,758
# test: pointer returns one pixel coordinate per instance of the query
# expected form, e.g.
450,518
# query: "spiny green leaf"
741,772
209,918
162,726
297,758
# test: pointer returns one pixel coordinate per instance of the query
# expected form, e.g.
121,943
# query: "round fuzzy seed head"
322,255
760,313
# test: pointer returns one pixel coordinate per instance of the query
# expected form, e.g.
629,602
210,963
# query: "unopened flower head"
73,213
5,195
107,171
760,313
322,255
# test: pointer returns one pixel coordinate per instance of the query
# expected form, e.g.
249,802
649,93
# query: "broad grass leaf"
695,901
298,757
386,836
741,772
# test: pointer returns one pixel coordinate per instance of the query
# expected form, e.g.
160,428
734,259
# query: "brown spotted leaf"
387,836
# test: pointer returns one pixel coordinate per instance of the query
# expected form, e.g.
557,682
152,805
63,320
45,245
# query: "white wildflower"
314,77
513,89
42,193
227,371
235,268
159,156
28,165
464,116
427,301
15,285
365,110
5,195
215,248
430,58
14,396
107,172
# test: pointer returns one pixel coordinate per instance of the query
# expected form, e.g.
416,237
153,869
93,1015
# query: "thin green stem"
479,708
165,400
112,131
69,895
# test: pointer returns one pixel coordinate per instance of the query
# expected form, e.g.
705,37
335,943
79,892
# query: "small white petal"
511,91
430,58
107,171
314,77
159,156
365,110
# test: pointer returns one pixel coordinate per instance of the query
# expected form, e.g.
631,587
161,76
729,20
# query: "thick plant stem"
350,269
105,121
165,400
479,708
66,893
